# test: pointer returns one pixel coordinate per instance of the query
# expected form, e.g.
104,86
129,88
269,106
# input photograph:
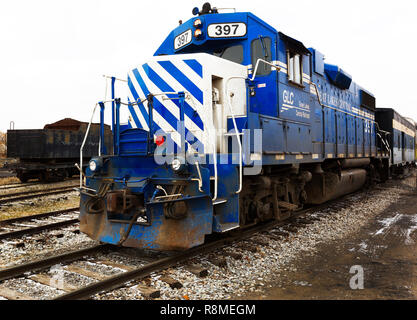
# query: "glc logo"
357,281
288,97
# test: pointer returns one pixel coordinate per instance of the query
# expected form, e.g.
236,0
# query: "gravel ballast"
260,265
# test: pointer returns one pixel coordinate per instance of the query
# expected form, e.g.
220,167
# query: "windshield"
233,53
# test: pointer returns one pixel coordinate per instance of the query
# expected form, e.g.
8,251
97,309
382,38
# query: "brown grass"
9,180
2,145
52,203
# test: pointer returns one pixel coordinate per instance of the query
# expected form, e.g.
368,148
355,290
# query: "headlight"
178,165
198,33
197,23
95,165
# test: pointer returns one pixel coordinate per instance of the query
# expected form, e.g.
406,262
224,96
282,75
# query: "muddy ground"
385,248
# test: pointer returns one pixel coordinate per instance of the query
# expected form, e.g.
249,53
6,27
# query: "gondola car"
50,154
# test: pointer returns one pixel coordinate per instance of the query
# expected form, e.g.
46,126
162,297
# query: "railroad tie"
219,262
274,237
235,255
11,294
148,293
260,242
52,282
280,233
87,273
174,284
198,270
116,265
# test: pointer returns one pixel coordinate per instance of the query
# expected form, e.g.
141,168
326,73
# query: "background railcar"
402,137
51,153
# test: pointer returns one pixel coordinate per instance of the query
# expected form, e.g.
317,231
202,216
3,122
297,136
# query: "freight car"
50,154
233,123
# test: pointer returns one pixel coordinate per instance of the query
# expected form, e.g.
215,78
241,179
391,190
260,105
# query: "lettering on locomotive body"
183,39
288,97
335,102
301,111
302,114
305,106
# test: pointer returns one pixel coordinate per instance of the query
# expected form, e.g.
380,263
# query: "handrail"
257,65
237,133
82,145
85,140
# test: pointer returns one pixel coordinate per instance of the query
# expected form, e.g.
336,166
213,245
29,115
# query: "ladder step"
219,201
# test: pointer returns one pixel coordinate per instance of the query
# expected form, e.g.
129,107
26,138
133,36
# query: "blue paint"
298,128
196,66
181,78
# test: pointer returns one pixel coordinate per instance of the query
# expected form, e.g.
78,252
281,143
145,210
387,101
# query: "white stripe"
177,86
188,72
170,105
142,120
172,108
132,122
159,120
282,64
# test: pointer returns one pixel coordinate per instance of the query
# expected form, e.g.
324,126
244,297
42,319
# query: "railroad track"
25,195
23,185
28,225
18,185
127,273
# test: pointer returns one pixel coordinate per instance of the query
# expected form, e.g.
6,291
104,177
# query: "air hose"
126,234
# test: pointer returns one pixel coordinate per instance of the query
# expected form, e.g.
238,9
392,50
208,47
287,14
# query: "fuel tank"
327,186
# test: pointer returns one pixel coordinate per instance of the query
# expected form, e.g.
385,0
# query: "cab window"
233,53
261,49
295,67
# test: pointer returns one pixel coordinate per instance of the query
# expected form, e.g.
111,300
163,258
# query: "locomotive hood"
205,80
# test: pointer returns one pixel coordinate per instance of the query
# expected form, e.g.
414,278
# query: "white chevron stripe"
171,106
188,72
142,120
177,86
162,123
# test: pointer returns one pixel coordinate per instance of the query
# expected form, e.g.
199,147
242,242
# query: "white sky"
53,53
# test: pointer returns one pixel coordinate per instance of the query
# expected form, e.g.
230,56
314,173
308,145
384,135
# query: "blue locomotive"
231,123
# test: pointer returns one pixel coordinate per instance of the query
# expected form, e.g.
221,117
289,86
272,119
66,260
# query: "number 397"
226,29
223,30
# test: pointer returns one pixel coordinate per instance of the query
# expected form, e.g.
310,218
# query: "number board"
183,39
227,30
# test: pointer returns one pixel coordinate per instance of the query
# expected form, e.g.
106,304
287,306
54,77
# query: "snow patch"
387,223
